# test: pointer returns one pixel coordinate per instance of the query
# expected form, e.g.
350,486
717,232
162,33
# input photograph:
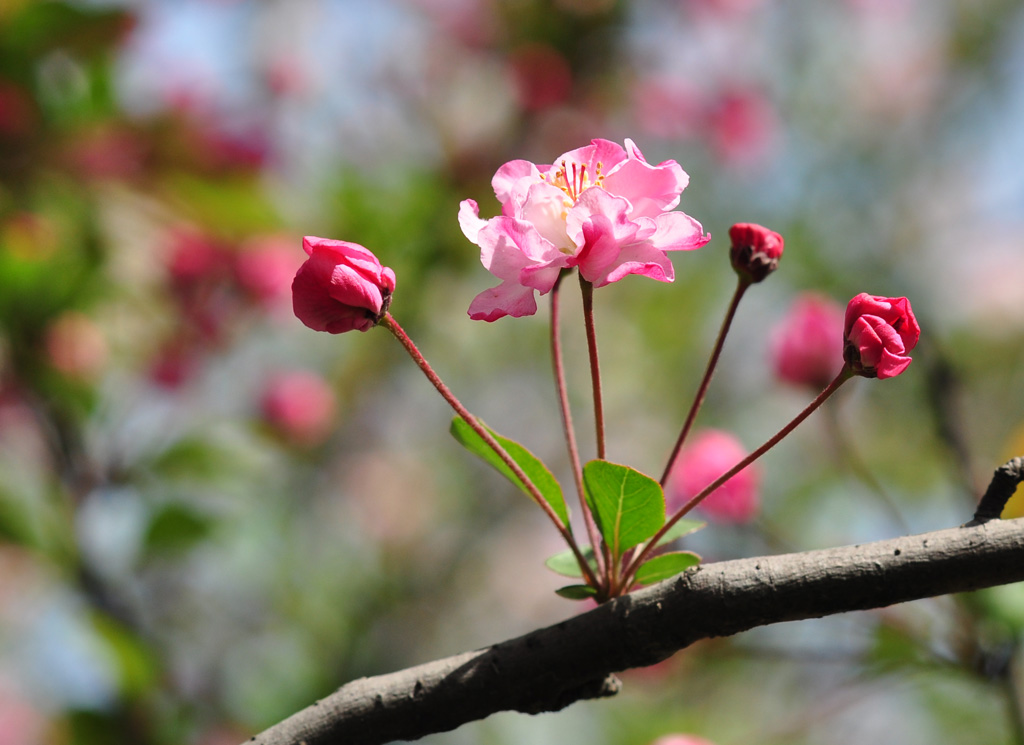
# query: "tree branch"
550,668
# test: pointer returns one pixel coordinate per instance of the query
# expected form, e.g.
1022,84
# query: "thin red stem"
595,367
702,390
587,289
392,325
844,375
570,432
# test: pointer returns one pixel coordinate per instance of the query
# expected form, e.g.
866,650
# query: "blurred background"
210,515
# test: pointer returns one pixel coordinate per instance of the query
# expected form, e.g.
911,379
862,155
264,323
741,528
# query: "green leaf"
576,592
565,563
16,521
681,528
175,529
665,566
134,661
628,506
532,466
192,458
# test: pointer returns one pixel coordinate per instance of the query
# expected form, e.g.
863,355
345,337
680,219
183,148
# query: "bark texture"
548,669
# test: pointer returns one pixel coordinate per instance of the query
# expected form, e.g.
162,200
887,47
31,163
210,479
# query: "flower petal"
545,208
511,182
319,311
469,219
677,231
508,245
507,299
651,190
638,258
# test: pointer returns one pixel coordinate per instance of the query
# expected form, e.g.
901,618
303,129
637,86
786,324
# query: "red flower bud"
879,333
755,251
341,287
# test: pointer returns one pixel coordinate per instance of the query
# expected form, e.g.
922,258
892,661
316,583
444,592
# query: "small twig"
1000,489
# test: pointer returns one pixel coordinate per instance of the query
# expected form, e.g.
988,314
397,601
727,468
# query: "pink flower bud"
879,334
755,251
806,346
300,406
709,455
341,287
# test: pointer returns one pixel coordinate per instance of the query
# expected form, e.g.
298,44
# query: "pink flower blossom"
300,406
341,286
807,346
879,334
601,208
755,250
707,456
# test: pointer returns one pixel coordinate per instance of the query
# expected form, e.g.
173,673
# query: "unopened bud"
755,251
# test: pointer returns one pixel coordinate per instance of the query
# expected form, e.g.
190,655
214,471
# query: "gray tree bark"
548,669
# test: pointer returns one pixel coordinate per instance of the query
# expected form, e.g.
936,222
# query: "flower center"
574,179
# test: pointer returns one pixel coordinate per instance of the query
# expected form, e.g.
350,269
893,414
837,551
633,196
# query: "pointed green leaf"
681,528
576,592
628,506
665,566
532,466
565,563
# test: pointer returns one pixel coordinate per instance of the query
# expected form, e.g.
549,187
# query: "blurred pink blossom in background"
807,345
703,459
20,722
265,266
300,406
542,76
76,346
681,740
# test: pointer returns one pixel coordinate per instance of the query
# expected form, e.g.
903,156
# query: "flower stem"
392,325
702,390
595,368
845,374
570,432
